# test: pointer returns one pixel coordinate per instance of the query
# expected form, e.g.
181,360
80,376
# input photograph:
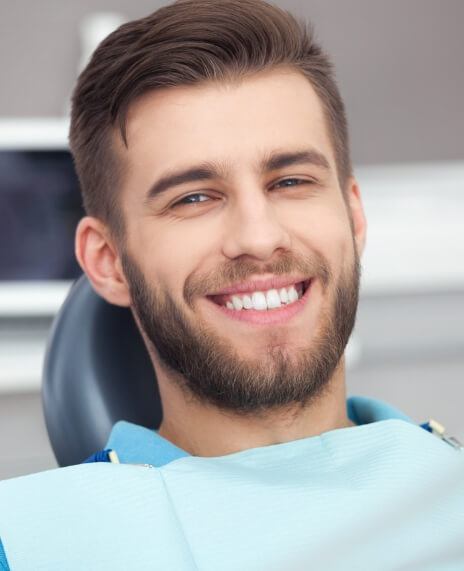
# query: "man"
211,144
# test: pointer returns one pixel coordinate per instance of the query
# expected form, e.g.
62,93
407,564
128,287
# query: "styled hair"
186,43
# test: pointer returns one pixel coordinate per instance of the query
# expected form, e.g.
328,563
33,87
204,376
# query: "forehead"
234,124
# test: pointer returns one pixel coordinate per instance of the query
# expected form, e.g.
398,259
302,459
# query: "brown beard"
206,365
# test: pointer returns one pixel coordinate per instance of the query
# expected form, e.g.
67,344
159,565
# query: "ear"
356,212
98,257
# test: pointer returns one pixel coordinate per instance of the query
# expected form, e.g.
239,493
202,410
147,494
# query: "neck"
204,430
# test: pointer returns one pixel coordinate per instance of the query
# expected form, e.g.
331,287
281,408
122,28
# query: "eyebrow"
280,160
213,171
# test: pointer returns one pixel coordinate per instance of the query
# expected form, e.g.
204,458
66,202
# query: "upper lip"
263,284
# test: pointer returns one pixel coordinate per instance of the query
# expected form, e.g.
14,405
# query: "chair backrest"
97,371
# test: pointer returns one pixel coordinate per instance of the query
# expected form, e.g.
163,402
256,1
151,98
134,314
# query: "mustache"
315,266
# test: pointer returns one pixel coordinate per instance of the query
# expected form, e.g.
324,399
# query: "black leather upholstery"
96,372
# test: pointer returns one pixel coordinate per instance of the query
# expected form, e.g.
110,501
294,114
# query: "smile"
263,300
271,306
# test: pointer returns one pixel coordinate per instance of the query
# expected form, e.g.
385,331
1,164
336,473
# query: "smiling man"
240,245
211,145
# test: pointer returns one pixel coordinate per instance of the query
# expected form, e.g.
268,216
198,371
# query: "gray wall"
399,63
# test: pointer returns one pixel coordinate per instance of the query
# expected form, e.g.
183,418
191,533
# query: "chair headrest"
97,371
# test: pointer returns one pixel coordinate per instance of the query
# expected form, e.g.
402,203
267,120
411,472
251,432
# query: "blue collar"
138,445
365,410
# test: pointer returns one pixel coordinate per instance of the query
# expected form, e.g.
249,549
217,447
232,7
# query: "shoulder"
68,485
28,504
47,494
48,480
82,507
55,497
3,560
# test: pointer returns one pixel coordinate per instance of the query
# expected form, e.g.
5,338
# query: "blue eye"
286,182
191,199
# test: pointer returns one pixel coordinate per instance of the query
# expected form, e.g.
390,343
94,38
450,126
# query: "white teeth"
270,299
273,299
258,299
237,302
292,294
283,295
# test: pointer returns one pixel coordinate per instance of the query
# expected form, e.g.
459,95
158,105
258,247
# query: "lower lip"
267,316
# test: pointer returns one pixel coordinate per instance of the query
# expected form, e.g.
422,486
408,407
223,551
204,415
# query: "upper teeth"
269,299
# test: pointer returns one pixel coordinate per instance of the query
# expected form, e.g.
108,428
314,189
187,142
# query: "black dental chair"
96,372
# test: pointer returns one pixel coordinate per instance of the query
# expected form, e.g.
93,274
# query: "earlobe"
358,218
99,259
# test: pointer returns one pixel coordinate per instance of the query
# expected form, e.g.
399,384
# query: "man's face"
239,251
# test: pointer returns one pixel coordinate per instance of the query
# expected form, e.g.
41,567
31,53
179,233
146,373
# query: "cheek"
170,255
327,230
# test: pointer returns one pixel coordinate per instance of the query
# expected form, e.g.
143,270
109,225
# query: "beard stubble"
207,367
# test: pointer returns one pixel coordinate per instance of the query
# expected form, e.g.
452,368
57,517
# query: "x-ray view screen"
40,206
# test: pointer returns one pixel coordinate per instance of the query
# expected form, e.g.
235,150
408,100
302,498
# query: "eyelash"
299,180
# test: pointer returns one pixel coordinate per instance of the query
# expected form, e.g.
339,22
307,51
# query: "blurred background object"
399,66
38,193
95,27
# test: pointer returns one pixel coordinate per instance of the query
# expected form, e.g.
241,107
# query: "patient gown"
382,495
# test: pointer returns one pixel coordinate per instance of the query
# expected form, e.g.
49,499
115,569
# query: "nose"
254,228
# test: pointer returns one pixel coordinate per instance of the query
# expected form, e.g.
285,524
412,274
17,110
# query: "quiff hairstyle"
186,43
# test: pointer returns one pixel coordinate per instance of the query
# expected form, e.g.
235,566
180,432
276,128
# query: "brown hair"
185,43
